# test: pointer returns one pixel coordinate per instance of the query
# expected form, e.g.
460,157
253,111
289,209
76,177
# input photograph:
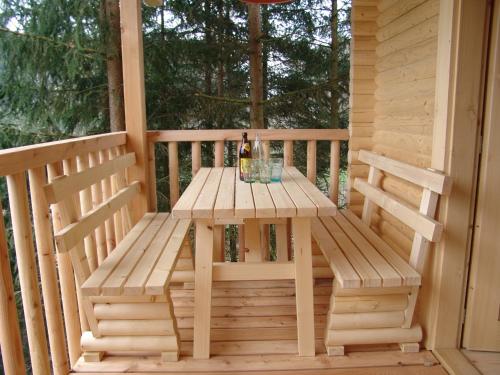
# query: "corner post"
135,100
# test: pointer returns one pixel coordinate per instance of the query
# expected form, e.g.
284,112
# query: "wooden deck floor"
254,329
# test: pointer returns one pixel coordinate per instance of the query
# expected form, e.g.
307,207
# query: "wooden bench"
375,289
125,297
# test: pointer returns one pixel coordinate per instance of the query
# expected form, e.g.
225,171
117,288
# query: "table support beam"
301,231
203,288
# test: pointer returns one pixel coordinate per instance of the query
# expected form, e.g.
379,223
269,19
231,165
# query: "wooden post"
311,161
67,282
334,171
173,172
195,157
152,177
135,101
219,230
46,261
28,275
288,153
10,335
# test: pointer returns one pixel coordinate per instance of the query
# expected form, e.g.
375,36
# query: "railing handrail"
19,159
234,135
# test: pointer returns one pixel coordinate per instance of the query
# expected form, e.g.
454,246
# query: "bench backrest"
421,220
79,218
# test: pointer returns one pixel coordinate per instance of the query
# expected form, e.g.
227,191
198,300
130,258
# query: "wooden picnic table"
217,197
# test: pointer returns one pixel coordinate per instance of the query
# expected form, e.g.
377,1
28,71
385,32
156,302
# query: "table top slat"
205,202
264,206
224,204
305,207
325,206
282,201
183,207
243,205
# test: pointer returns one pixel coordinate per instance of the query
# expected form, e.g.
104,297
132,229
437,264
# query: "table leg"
281,243
203,288
301,230
252,241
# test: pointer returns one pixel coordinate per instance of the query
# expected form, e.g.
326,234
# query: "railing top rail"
212,135
18,159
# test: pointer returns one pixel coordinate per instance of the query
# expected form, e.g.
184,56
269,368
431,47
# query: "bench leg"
170,356
410,347
335,350
93,356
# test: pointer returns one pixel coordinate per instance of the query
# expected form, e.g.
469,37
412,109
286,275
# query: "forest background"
60,73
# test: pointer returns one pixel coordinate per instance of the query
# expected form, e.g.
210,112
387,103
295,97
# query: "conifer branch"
58,43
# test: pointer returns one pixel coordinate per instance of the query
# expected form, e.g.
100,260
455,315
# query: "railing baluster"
66,281
120,180
48,274
173,172
28,275
69,167
82,163
100,232
334,171
266,147
288,153
109,225
195,157
219,234
311,161
10,335
153,200
117,217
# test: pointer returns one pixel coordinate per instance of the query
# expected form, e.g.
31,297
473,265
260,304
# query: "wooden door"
482,317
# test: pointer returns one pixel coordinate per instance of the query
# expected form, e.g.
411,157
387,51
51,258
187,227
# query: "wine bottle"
245,155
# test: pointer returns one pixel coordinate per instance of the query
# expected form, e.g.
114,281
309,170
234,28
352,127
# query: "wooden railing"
50,297
27,170
222,137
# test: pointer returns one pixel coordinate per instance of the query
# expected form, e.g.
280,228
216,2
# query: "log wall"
402,100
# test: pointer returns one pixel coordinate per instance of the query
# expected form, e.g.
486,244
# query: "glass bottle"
245,155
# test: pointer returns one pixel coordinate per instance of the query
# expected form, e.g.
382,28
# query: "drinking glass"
265,172
276,165
250,174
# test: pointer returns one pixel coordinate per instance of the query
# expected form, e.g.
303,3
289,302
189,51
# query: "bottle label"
246,147
245,164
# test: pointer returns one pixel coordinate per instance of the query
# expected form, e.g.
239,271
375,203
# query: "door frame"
460,78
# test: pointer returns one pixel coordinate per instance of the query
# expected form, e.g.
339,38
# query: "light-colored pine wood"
100,232
288,153
374,178
426,178
135,100
28,275
66,281
173,172
325,206
301,232
253,271
164,268
426,226
20,159
152,176
48,273
305,207
203,289
73,233
252,243
205,201
92,287
264,205
109,224
86,177
281,242
386,319
311,161
182,209
244,206
195,157
369,303
224,204
334,171
129,343
132,311
234,135
374,336
10,335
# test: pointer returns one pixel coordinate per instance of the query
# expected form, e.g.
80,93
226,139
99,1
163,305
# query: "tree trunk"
114,66
255,51
265,60
334,61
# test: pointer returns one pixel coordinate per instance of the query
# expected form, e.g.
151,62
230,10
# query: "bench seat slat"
343,270
92,287
409,275
162,272
389,276
368,275
137,279
113,286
